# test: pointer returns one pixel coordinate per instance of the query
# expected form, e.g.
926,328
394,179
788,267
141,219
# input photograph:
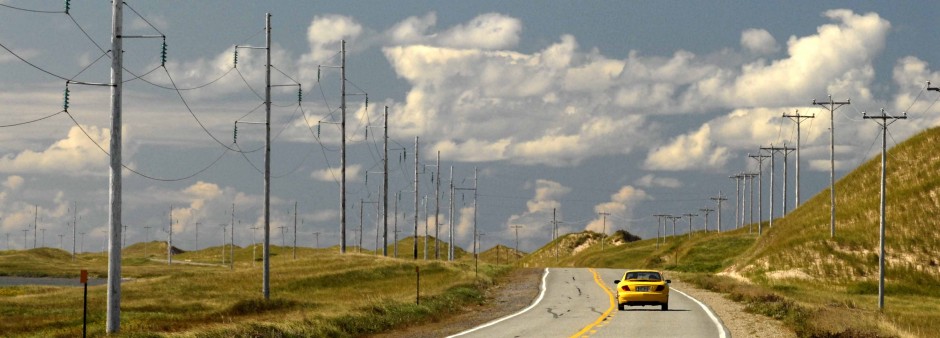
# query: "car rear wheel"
665,307
621,307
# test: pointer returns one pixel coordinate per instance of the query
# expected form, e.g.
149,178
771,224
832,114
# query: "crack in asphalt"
595,311
579,290
554,315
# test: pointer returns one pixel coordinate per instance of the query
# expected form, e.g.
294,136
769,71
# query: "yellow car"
641,288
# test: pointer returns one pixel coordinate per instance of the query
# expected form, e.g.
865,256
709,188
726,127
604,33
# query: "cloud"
620,206
13,182
759,41
333,174
487,31
325,34
74,155
650,180
695,151
534,220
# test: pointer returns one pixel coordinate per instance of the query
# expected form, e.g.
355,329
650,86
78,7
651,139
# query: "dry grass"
321,293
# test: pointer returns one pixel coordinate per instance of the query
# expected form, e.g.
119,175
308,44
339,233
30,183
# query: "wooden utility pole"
453,218
706,211
737,199
416,201
832,106
884,121
437,209
604,229
798,119
342,158
690,223
385,187
719,199
114,251
760,157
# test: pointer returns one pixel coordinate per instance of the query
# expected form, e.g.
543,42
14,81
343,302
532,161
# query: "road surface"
578,302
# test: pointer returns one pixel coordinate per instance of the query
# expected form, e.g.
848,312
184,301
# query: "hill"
501,254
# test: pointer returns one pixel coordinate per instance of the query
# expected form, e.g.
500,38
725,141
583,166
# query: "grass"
321,293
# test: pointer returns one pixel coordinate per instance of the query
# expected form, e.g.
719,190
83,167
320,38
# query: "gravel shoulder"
739,322
518,289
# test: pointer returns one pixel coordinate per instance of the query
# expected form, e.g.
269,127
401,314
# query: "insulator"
163,53
236,57
65,101
68,5
235,134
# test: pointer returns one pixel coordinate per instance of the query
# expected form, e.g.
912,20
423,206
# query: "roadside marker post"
84,280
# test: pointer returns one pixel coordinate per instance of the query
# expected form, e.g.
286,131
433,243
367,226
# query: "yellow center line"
603,316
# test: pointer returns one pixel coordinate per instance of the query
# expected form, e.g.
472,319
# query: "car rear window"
643,275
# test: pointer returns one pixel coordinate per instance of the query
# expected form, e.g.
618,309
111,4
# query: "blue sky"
631,108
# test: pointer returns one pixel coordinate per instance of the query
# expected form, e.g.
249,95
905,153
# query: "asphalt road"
579,302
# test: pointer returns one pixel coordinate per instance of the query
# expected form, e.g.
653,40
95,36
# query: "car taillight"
660,288
625,288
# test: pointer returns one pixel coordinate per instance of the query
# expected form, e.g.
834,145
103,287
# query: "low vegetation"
320,293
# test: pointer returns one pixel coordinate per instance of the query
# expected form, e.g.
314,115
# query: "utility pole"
690,223
169,240
674,218
43,242
295,229
231,249
342,159
750,183
450,232
737,196
113,317
316,235
83,242
416,200
516,227
773,152
266,265
36,224
760,157
395,230
786,152
223,242
26,240
284,240
197,237
437,209
798,119
604,231
60,242
74,226
884,121
719,199
425,227
254,244
266,248
475,252
385,188
554,233
147,242
706,211
659,225
832,106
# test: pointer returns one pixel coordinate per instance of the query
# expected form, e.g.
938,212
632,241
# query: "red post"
84,280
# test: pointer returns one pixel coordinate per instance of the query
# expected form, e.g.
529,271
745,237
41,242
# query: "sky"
579,109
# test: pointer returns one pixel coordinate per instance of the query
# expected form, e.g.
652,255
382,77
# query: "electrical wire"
42,69
31,121
249,85
31,10
200,171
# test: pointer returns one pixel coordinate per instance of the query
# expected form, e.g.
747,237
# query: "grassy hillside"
320,293
501,254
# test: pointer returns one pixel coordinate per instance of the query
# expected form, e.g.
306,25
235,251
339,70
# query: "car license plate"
642,288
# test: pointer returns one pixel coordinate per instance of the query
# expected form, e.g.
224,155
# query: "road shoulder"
509,294
738,321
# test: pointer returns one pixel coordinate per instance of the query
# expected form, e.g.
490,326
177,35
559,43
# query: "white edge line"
721,327
494,322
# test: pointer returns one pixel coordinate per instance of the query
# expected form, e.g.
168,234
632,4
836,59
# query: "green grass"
321,293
